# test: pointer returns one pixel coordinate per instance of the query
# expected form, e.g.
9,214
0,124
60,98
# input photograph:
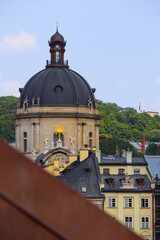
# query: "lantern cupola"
57,49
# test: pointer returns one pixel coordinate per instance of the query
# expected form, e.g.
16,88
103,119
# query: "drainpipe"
153,186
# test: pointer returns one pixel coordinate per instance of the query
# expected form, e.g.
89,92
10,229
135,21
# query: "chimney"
143,144
123,153
84,152
129,156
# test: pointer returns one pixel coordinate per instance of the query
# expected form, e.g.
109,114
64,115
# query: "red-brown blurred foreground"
35,205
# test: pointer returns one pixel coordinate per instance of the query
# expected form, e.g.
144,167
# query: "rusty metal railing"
36,205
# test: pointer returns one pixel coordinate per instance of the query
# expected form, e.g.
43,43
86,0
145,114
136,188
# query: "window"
90,139
111,202
90,106
90,134
145,222
137,171
128,222
25,106
128,202
121,171
144,202
25,141
106,171
56,138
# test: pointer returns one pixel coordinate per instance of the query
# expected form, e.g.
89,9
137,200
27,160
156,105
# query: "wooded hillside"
126,123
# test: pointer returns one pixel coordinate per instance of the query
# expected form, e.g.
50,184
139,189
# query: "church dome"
57,37
57,86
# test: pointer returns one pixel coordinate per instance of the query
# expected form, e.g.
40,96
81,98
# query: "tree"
152,149
109,146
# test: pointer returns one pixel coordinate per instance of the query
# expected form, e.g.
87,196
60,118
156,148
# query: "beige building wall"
40,122
128,169
136,212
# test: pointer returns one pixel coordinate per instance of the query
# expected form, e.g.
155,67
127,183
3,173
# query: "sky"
113,44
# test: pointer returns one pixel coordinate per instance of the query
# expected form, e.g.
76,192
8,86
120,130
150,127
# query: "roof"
138,145
84,177
57,37
117,160
57,86
153,164
116,187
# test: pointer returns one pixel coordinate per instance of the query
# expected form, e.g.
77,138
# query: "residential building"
154,170
128,192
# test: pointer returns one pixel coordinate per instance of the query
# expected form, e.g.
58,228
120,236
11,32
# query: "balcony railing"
57,63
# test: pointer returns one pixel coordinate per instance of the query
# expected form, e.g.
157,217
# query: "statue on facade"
33,101
128,182
46,145
72,144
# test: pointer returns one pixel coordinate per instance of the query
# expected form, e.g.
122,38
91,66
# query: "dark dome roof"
57,37
57,86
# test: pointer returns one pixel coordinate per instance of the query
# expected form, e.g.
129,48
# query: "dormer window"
121,171
110,181
106,171
141,181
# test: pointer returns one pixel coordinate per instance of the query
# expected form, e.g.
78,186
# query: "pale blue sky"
113,44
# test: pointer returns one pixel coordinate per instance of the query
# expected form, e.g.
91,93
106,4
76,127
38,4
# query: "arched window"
56,138
90,106
57,56
25,106
25,142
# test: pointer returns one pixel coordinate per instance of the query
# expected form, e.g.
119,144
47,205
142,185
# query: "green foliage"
7,111
126,123
109,146
153,149
116,122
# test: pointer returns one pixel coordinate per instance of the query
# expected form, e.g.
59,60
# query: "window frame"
128,202
145,224
144,203
136,169
128,224
111,202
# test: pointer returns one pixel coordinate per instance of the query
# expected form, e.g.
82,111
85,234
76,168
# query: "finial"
56,25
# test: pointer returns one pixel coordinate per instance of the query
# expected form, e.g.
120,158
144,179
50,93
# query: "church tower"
57,112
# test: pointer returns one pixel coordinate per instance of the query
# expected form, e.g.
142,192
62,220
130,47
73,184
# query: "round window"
58,89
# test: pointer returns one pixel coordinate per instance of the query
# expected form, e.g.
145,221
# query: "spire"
56,25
